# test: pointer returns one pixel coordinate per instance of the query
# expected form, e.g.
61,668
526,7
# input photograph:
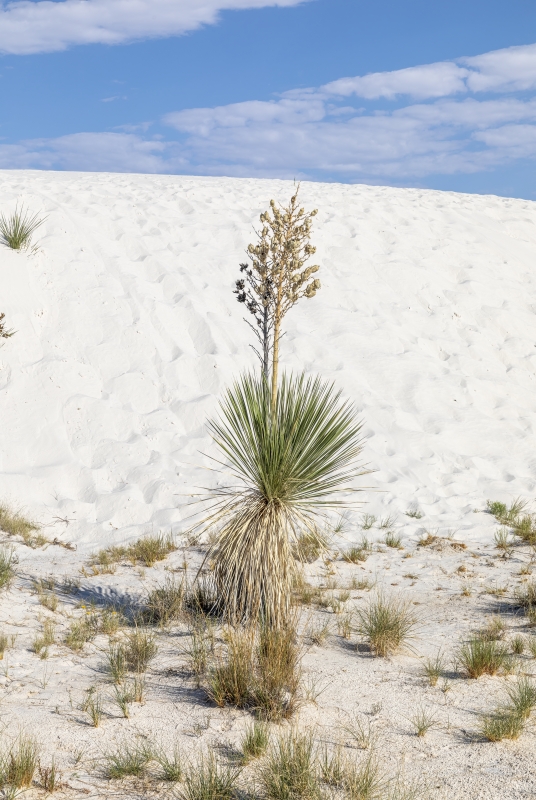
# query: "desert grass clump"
50,778
482,657
19,764
433,668
309,546
509,719
147,551
364,781
8,560
506,515
386,623
504,542
172,765
290,771
260,670
518,645
525,528
422,721
16,231
140,650
208,779
393,540
255,741
294,460
165,603
14,523
129,759
355,555
525,597
116,662
42,642
494,630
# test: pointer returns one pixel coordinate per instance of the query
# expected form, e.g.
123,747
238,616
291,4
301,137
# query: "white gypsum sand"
127,333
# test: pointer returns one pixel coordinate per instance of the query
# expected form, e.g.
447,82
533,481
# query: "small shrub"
20,763
422,721
16,230
172,769
393,540
255,741
165,603
433,668
290,769
7,562
482,657
496,509
129,759
209,780
387,623
140,650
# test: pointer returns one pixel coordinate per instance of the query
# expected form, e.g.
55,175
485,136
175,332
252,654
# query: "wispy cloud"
452,117
47,25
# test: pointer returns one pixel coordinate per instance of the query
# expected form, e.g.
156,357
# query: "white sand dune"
127,332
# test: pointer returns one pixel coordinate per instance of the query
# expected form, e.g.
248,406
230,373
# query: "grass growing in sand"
14,523
209,779
481,656
19,763
387,623
147,551
255,741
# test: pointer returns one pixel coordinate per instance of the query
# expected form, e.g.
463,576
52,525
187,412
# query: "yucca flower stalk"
292,462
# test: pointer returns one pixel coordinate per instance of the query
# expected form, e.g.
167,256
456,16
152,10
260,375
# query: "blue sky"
399,92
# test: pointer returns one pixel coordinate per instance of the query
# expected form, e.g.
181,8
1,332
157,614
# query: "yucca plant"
16,230
293,461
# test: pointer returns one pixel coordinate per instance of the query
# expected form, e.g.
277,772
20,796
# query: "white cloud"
430,80
444,128
46,26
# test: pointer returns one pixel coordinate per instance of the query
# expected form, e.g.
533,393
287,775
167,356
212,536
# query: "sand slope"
127,331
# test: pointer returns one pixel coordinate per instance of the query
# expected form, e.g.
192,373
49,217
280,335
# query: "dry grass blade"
293,463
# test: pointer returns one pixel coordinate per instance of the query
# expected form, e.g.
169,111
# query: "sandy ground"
127,333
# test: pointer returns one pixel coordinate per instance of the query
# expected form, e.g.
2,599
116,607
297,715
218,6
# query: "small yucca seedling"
16,230
255,741
387,623
433,668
